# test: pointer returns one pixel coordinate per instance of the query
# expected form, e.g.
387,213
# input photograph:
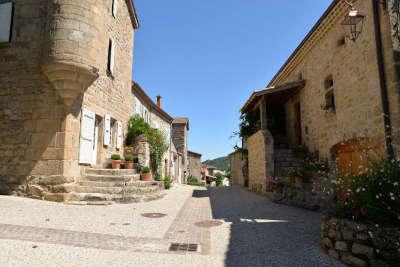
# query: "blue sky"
206,57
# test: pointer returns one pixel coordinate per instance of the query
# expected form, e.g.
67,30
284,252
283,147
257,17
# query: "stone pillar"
263,114
143,151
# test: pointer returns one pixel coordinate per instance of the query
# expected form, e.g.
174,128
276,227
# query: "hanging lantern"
353,24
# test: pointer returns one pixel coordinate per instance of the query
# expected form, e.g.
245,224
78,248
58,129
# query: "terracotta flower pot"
298,181
116,164
129,165
147,177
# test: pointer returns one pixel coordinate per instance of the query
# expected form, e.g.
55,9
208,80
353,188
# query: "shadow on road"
266,234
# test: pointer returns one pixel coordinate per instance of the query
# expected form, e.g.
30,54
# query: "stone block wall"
237,164
40,131
358,244
195,165
258,172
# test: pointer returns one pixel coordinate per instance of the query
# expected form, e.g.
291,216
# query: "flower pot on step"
147,177
129,165
298,181
116,164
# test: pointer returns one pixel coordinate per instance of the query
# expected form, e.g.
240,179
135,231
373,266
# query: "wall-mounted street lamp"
353,24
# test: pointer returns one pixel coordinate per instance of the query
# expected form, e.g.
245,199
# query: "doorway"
297,125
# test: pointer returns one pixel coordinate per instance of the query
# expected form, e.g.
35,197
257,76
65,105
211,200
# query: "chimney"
159,98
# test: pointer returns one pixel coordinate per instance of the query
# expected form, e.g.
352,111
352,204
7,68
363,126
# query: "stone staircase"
106,186
285,162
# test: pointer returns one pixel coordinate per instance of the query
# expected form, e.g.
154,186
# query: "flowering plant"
373,195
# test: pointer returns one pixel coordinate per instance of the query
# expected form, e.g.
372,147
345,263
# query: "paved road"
254,232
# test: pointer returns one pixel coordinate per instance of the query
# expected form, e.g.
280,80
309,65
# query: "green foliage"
115,157
167,182
375,195
220,179
250,123
221,163
301,152
191,180
146,170
157,141
129,158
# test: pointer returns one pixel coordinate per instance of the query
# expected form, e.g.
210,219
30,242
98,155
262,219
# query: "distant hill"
221,163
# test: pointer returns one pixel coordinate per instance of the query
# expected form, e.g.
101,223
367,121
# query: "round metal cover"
208,224
154,215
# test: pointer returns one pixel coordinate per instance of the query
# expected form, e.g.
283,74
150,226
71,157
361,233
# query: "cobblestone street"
216,227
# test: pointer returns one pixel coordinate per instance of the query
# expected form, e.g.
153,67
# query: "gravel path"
254,232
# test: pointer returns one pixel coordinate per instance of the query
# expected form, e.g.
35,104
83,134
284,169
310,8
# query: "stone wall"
237,164
40,127
261,163
195,165
354,69
359,244
179,138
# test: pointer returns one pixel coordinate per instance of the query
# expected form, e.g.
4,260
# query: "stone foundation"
359,244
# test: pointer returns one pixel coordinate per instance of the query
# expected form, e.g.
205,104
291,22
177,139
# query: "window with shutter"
119,135
87,138
6,18
107,131
111,57
114,8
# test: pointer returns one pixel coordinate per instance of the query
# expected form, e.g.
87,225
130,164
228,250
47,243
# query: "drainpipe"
382,79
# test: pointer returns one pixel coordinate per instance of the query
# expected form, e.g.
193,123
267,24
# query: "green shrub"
115,157
157,141
129,158
220,179
146,170
167,182
191,180
135,160
375,195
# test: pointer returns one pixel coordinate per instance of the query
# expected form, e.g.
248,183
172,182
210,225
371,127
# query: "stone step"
116,190
111,178
115,183
127,198
109,172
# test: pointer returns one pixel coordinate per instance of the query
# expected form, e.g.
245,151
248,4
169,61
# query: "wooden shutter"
115,8
107,131
87,137
119,135
6,17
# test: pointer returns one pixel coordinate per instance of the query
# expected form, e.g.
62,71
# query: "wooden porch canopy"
278,94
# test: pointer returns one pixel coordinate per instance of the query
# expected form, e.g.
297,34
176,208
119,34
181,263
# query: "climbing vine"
157,141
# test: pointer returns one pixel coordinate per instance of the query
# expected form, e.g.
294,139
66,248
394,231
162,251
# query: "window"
6,18
114,8
111,58
329,94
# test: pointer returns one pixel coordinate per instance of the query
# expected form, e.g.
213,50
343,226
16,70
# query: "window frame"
111,58
11,22
329,94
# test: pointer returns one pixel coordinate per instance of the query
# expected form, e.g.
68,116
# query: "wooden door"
354,156
87,138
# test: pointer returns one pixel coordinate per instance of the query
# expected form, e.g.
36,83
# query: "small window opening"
329,94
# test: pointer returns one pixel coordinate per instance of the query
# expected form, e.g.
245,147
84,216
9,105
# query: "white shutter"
112,56
107,130
119,135
6,13
115,8
87,137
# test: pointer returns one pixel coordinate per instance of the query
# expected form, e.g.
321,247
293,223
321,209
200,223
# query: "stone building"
65,86
157,118
194,164
180,132
338,97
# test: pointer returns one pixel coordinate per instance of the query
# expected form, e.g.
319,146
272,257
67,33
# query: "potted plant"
296,177
129,162
146,174
116,161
